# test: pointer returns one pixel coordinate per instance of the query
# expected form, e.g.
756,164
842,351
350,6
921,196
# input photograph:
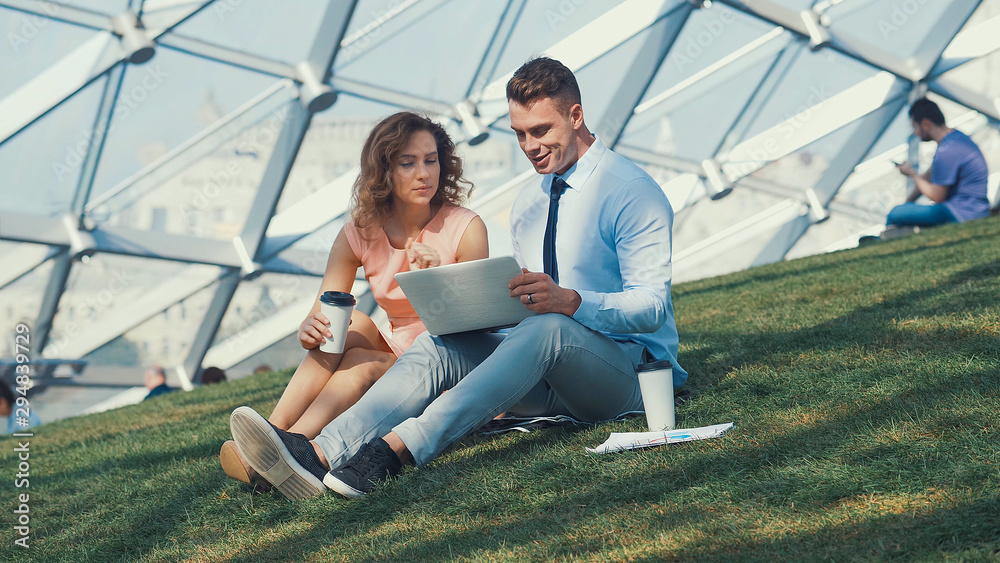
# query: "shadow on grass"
755,464
137,475
490,522
752,463
809,268
936,534
818,264
863,328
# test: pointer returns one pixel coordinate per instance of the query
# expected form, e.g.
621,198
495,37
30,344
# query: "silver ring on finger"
530,300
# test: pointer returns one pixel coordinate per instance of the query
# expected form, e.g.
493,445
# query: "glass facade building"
173,172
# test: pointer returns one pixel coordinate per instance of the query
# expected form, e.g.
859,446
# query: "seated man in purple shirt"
956,181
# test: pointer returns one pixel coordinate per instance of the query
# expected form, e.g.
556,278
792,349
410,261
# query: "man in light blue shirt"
593,237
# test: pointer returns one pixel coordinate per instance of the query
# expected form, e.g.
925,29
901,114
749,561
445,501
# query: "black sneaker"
287,460
373,464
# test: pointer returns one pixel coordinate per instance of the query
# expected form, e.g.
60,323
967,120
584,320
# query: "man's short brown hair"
544,78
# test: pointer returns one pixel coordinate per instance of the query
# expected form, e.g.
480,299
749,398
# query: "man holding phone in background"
955,182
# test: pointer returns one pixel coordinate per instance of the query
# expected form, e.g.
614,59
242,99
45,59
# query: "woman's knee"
364,334
369,365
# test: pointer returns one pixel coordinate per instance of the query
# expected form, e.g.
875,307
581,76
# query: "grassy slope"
864,383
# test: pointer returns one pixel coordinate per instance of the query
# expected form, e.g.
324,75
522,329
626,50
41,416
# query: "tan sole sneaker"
265,452
236,467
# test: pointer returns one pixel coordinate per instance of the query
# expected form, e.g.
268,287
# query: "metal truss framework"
133,37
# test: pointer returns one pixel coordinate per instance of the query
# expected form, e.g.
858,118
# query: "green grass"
864,384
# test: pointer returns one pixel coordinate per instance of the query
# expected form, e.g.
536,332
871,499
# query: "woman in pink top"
405,215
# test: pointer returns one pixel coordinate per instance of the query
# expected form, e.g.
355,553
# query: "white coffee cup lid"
337,298
650,366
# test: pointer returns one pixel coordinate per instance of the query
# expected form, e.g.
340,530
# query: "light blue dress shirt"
613,246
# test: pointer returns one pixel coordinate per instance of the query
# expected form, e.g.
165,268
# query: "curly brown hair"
371,198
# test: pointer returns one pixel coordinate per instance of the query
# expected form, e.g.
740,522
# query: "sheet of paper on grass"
631,440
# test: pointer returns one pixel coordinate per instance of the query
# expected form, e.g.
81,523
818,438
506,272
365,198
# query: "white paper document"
631,440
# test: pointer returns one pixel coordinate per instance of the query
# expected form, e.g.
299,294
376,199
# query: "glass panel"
898,28
492,163
424,58
797,5
166,103
843,230
109,7
20,302
981,76
40,167
695,131
804,167
285,353
707,37
893,142
208,190
17,256
533,35
106,291
760,215
311,252
609,69
35,43
279,31
811,79
375,21
164,339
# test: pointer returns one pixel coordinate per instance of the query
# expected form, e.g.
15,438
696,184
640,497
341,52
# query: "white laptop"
465,297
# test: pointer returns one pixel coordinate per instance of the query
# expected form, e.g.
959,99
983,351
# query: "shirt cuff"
590,304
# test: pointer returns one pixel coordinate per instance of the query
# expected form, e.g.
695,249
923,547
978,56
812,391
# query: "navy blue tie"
549,242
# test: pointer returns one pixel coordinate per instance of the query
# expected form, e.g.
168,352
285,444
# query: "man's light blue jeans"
549,364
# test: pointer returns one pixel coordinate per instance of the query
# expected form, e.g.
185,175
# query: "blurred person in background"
16,421
212,375
155,380
955,182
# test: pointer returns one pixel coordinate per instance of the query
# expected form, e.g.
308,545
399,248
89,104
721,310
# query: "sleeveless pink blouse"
381,262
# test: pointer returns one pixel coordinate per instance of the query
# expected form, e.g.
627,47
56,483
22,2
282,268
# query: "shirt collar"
578,174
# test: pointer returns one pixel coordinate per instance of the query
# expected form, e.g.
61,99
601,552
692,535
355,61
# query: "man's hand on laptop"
541,295
421,255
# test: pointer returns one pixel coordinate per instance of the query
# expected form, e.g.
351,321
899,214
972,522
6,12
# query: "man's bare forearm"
934,192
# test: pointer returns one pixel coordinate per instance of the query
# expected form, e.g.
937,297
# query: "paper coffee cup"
337,306
656,382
